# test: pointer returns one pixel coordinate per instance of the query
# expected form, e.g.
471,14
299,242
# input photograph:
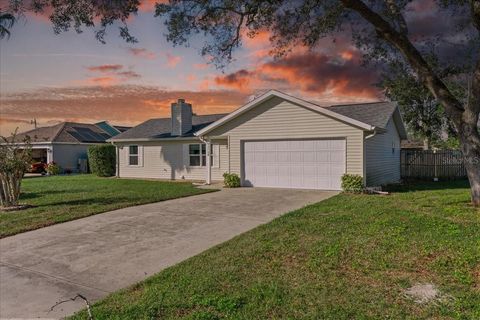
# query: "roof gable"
366,116
303,103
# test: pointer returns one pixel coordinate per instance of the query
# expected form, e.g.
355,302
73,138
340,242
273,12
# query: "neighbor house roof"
66,132
161,128
366,116
412,144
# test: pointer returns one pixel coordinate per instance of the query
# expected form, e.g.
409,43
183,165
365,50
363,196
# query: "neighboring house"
276,140
413,145
66,143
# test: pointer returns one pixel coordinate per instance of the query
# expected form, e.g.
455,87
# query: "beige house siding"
168,160
280,119
67,155
383,163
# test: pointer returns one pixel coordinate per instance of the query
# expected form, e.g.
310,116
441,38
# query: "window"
133,155
197,154
393,147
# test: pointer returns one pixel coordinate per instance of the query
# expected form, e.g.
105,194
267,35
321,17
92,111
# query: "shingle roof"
66,132
122,128
375,114
162,127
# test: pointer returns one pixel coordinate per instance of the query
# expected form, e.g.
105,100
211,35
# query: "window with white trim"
133,155
197,154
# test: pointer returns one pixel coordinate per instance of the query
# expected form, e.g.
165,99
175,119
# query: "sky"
74,77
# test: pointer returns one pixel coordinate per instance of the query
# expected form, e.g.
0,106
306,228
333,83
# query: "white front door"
307,164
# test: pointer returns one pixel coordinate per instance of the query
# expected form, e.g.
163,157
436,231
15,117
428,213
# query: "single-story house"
275,140
67,143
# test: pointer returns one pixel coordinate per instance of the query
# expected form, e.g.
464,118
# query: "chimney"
181,117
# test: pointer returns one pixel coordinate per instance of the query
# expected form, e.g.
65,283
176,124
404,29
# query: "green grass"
349,257
63,198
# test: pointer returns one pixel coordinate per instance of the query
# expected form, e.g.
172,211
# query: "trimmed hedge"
102,160
352,183
231,180
53,169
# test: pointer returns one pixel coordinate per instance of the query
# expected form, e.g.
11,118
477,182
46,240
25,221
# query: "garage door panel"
283,157
270,157
296,156
259,157
322,156
323,171
309,157
337,170
322,145
324,183
337,156
271,146
312,164
337,145
309,145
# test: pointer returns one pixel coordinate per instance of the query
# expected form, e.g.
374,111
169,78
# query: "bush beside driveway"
348,257
64,198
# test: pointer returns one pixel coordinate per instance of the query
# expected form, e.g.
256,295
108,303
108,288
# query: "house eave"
152,139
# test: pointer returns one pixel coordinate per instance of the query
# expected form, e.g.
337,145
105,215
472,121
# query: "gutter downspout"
374,129
118,158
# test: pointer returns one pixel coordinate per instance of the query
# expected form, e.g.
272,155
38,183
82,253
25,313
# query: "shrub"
352,183
53,169
102,160
231,180
14,162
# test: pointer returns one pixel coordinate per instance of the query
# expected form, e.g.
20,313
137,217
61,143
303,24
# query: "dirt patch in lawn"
424,293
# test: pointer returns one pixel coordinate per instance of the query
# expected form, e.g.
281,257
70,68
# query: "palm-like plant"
6,22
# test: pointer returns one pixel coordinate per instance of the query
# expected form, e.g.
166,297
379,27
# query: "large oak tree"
379,28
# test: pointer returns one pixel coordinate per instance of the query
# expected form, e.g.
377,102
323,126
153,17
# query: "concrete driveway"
97,255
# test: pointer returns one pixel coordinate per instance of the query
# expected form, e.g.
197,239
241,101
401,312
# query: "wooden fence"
427,164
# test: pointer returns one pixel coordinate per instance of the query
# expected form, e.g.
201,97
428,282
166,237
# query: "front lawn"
63,198
349,257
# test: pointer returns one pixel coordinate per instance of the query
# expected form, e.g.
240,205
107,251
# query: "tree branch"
229,46
473,103
90,315
475,9
392,6
400,41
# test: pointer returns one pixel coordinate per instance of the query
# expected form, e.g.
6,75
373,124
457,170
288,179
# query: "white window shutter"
185,153
126,149
140,156
216,156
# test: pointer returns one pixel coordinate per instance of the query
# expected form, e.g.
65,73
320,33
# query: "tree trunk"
426,144
471,155
10,188
465,117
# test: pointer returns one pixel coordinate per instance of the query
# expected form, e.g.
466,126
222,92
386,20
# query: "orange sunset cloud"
120,104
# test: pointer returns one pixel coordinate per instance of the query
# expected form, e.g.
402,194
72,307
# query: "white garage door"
308,164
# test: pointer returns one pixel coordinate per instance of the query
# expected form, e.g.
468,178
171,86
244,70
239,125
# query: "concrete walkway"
97,255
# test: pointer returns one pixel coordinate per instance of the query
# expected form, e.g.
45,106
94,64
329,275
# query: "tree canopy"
383,30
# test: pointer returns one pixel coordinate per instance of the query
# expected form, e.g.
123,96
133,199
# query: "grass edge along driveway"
59,199
348,257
